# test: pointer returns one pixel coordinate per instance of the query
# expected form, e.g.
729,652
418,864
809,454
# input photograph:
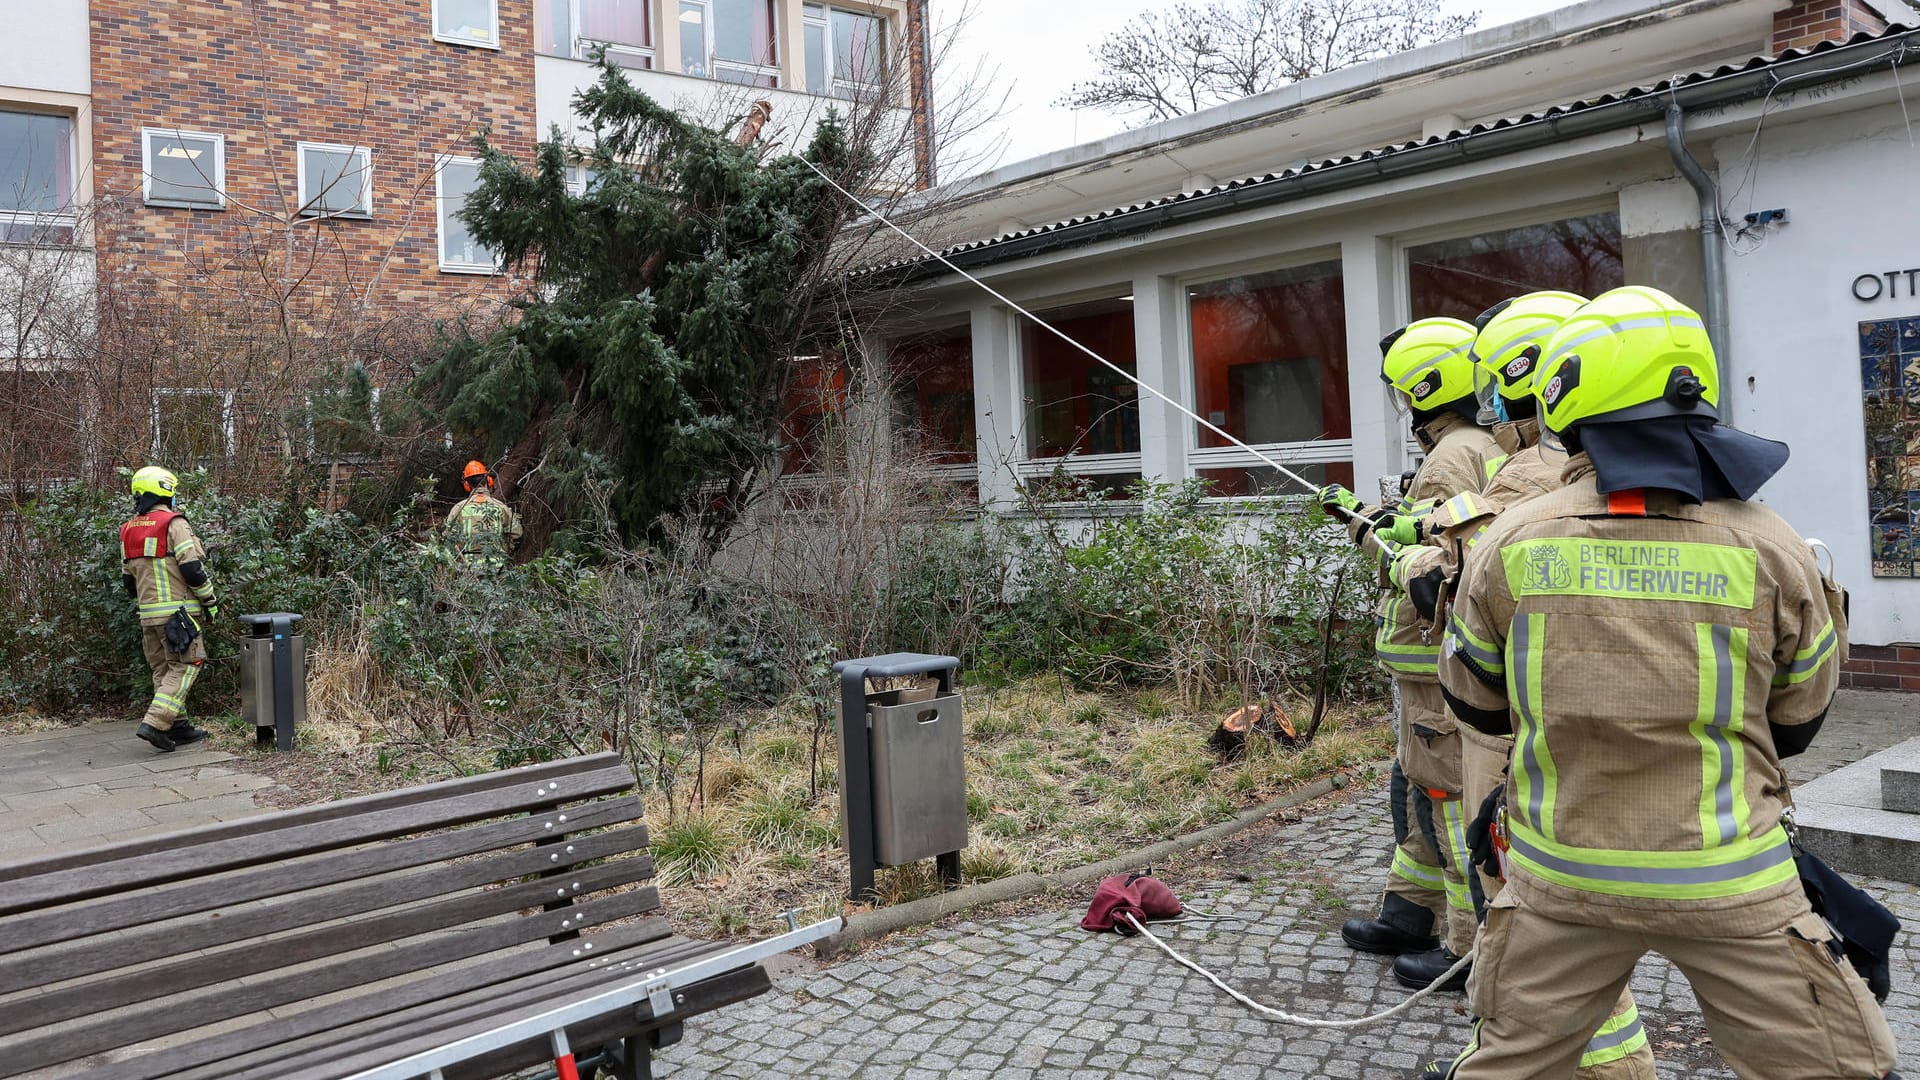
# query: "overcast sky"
1043,46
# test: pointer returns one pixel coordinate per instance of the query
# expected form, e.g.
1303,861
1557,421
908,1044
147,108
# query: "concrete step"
1900,779
1844,819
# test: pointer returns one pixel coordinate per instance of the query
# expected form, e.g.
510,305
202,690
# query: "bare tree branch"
1167,63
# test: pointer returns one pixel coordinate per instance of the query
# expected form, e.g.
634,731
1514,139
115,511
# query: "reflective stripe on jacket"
159,588
1644,660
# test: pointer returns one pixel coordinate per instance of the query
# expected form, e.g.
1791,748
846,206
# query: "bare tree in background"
1167,63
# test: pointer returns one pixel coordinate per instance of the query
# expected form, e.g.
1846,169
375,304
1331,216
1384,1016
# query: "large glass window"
816,403
184,169
1462,278
36,178
1076,405
933,379
845,53
578,28
460,253
1270,368
731,40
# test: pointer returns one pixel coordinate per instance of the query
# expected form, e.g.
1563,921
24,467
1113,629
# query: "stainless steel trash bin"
903,785
273,677
919,779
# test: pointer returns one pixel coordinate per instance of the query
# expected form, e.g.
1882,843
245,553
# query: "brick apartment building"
240,197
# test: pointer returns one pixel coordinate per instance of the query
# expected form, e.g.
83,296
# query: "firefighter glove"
1399,529
213,611
180,632
1480,833
1336,498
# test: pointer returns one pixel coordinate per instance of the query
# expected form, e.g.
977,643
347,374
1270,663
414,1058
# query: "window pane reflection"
933,403
1462,278
1074,404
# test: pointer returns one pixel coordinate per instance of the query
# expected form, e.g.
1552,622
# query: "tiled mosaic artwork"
1890,380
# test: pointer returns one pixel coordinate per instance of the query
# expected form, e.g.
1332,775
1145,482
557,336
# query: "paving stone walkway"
94,783
1029,997
1034,997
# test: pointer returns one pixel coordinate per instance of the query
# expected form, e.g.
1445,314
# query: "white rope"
1385,545
1062,335
1290,1018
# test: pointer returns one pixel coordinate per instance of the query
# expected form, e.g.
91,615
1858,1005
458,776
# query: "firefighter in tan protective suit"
482,530
1507,352
1646,814
1428,895
164,571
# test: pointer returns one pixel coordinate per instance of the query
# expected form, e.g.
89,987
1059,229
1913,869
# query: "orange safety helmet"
473,469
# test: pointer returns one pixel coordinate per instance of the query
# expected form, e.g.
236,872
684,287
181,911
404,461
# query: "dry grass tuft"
1056,778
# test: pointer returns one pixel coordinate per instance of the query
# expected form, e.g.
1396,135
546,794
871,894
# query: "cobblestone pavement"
84,785
1033,997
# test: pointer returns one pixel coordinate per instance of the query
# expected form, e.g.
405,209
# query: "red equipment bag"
1144,897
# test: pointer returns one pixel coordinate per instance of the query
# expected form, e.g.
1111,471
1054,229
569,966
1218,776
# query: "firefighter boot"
1418,970
155,737
1393,932
1441,1069
183,733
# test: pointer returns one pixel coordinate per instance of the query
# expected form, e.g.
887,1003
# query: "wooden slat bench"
317,943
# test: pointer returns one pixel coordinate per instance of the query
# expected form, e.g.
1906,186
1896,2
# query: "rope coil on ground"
1287,1017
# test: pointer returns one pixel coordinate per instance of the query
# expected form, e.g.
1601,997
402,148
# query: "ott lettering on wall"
1886,285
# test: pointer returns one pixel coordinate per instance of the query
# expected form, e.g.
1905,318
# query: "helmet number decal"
1563,380
1522,365
1425,387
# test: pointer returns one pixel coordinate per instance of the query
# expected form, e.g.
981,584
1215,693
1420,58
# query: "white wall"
1848,183
46,46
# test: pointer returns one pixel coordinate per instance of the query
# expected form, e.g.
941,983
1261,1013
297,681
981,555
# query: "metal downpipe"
1713,249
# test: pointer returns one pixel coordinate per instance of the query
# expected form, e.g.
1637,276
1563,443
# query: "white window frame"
582,47
472,43
1195,458
447,266
715,65
834,84
219,178
365,209
68,219
226,413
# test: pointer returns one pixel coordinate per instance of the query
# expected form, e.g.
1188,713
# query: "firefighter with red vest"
166,575
482,530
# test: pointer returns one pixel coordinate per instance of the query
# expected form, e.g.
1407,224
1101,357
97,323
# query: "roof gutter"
1825,65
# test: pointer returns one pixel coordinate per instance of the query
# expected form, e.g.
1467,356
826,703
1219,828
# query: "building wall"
272,73
796,113
1796,375
46,46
